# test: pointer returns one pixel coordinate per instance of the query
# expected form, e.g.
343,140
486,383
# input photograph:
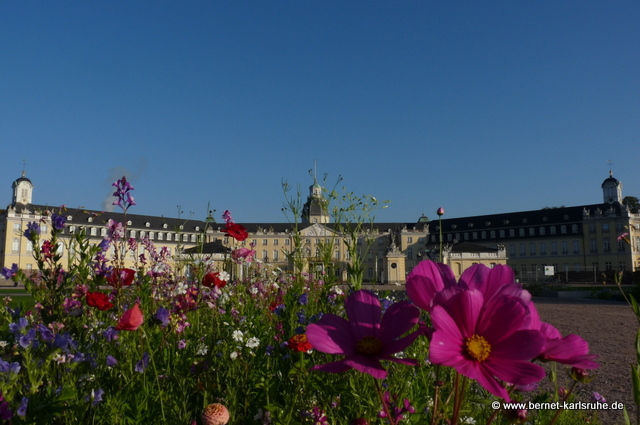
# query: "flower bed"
108,344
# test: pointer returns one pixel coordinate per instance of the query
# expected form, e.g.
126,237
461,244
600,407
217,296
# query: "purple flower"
303,299
6,367
26,340
95,397
123,198
58,221
598,397
182,344
17,328
33,230
22,410
111,334
5,410
162,315
45,333
111,361
65,342
8,273
366,338
143,363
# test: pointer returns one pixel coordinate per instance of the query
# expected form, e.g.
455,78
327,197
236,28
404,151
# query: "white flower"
202,350
253,342
233,355
468,420
180,289
337,290
3,344
224,276
253,290
237,336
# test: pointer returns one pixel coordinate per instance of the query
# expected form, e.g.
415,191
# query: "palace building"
566,239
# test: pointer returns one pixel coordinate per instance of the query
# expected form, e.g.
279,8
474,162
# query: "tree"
632,203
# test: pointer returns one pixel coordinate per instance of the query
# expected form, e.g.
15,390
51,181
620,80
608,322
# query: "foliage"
195,343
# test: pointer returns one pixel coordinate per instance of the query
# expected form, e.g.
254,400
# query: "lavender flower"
162,315
143,363
19,326
303,299
6,367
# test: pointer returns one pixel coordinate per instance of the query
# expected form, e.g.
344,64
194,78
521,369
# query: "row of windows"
541,248
534,269
503,233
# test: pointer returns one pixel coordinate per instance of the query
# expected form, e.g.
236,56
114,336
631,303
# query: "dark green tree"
632,203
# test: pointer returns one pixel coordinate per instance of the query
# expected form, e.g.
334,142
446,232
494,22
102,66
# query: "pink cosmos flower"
426,280
364,339
571,350
243,255
485,342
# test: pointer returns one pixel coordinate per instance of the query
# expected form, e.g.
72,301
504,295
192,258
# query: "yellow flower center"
369,345
478,347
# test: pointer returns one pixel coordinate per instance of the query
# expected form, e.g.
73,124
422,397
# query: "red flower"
121,277
131,319
99,301
236,231
299,343
213,279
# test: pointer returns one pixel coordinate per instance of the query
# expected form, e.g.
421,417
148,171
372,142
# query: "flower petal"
332,334
399,318
333,367
365,364
363,311
427,279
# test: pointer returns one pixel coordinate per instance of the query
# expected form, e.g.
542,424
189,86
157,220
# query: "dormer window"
147,224
129,223
69,218
164,226
90,219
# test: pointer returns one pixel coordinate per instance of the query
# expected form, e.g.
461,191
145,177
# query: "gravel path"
610,329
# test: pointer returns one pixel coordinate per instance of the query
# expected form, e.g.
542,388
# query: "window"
152,235
142,234
132,233
543,248
502,233
532,231
563,229
475,235
410,239
160,236
605,228
275,255
574,228
593,246
621,244
542,231
554,248
483,235
592,228
565,247
16,228
523,249
29,247
512,232
93,231
512,250
44,229
607,265
265,242
623,266
552,230
492,234
521,232
265,257
275,242
287,242
576,247
410,253
532,249
606,245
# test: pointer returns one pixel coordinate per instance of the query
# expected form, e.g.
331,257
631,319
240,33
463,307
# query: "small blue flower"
95,397
26,340
19,326
303,299
22,410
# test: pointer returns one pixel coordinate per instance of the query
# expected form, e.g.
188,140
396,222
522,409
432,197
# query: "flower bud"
440,211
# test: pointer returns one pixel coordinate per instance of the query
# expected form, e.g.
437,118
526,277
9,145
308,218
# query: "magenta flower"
571,350
426,280
485,341
364,339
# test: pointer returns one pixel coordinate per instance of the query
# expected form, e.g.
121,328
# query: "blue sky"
479,107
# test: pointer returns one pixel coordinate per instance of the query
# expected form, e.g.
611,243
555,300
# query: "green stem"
155,372
392,420
555,417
